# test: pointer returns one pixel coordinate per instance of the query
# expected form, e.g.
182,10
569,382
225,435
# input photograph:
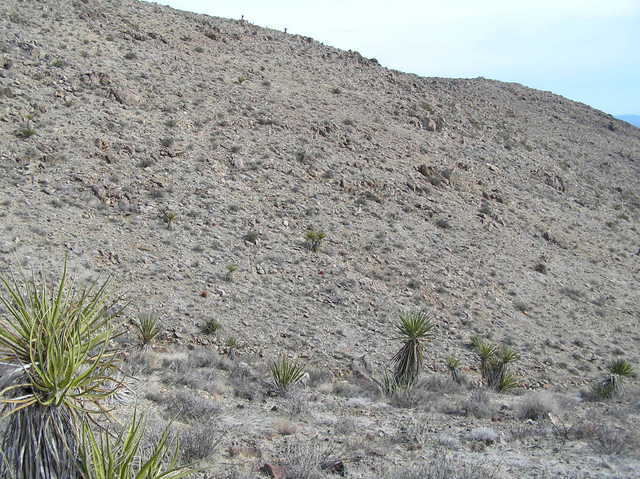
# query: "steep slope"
450,195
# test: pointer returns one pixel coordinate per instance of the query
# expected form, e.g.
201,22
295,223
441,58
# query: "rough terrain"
160,147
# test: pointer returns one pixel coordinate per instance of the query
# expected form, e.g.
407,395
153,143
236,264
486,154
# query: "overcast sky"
586,50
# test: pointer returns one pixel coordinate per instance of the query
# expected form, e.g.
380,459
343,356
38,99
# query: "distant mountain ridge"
633,119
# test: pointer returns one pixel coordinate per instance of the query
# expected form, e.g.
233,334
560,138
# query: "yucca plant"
453,365
611,385
414,328
285,373
147,329
231,268
494,365
56,342
122,457
314,239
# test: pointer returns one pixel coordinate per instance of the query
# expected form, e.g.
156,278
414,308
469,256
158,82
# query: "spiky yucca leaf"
39,442
621,367
102,457
285,373
59,339
413,328
508,355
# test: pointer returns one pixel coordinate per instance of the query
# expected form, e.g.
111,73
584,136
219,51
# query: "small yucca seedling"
453,365
231,268
611,385
413,328
232,345
285,373
212,326
147,328
169,217
102,457
314,240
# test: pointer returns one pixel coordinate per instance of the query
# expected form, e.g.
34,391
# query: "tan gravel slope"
161,147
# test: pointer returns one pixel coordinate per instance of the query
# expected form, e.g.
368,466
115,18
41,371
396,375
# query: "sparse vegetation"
25,132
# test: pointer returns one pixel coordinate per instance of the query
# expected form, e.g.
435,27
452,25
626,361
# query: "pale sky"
586,50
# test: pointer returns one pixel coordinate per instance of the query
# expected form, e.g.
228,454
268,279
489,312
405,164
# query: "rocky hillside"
166,148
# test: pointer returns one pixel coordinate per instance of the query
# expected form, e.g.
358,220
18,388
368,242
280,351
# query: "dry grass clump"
613,440
191,407
478,404
308,460
198,442
444,466
537,405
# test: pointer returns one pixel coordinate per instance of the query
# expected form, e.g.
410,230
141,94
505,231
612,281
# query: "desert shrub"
139,363
198,441
611,440
414,328
55,343
440,384
245,385
308,460
413,433
537,405
478,404
190,406
488,435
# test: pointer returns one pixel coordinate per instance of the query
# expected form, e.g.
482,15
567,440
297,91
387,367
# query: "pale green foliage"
147,328
103,457
285,373
56,342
